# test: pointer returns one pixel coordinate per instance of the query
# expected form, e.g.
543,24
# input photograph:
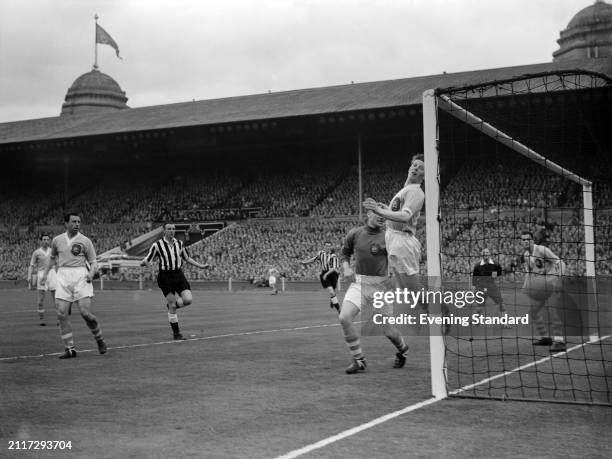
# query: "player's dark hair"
527,233
70,214
44,235
419,157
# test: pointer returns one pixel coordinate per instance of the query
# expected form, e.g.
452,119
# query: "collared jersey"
74,252
368,247
485,272
170,254
411,199
541,260
40,258
327,260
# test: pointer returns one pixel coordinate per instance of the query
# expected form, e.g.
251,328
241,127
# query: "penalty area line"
159,343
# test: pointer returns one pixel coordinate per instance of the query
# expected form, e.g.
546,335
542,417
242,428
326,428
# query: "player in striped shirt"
171,253
330,270
38,262
75,257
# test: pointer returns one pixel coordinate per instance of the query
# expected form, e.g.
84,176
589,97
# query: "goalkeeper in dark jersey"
484,279
367,245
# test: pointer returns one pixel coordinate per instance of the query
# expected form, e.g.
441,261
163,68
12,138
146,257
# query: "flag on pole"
104,38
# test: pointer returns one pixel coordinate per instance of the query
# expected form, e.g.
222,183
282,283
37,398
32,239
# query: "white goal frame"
432,102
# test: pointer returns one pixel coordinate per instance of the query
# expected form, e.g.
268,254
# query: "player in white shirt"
36,269
273,275
75,257
543,278
402,216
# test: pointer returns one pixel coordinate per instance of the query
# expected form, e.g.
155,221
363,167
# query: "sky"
183,50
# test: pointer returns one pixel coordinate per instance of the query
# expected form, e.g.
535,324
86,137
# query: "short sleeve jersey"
411,199
542,261
368,247
40,258
73,252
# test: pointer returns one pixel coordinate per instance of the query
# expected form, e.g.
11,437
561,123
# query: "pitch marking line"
347,433
202,338
527,365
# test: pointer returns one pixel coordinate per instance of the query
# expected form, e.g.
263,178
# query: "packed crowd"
247,250
505,184
121,205
380,181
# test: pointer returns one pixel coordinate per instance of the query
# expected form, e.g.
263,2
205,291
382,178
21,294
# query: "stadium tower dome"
588,34
94,92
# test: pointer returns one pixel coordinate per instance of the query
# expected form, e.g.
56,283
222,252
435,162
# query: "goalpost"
503,157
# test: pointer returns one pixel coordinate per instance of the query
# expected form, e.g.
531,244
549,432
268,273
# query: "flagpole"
96,43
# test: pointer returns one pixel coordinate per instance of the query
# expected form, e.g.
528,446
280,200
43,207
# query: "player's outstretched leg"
92,323
347,315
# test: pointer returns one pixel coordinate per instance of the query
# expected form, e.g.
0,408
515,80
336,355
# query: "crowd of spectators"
247,250
380,181
504,184
485,204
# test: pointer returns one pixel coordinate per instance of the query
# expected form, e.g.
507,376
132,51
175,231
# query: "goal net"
519,210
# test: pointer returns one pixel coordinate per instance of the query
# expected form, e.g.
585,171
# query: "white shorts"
361,292
404,251
71,284
51,283
540,287
272,280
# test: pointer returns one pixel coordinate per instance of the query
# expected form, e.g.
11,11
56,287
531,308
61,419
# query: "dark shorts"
331,281
172,282
492,291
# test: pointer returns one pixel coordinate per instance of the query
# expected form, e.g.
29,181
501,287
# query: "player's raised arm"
401,216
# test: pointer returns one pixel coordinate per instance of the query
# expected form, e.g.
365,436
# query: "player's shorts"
331,281
72,284
172,282
491,291
272,280
404,251
540,287
361,292
51,283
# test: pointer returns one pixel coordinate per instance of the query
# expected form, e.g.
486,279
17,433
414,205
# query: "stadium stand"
297,210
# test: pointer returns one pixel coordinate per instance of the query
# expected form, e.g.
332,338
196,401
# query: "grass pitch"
260,376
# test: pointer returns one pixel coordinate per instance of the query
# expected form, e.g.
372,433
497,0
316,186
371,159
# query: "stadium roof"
300,102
